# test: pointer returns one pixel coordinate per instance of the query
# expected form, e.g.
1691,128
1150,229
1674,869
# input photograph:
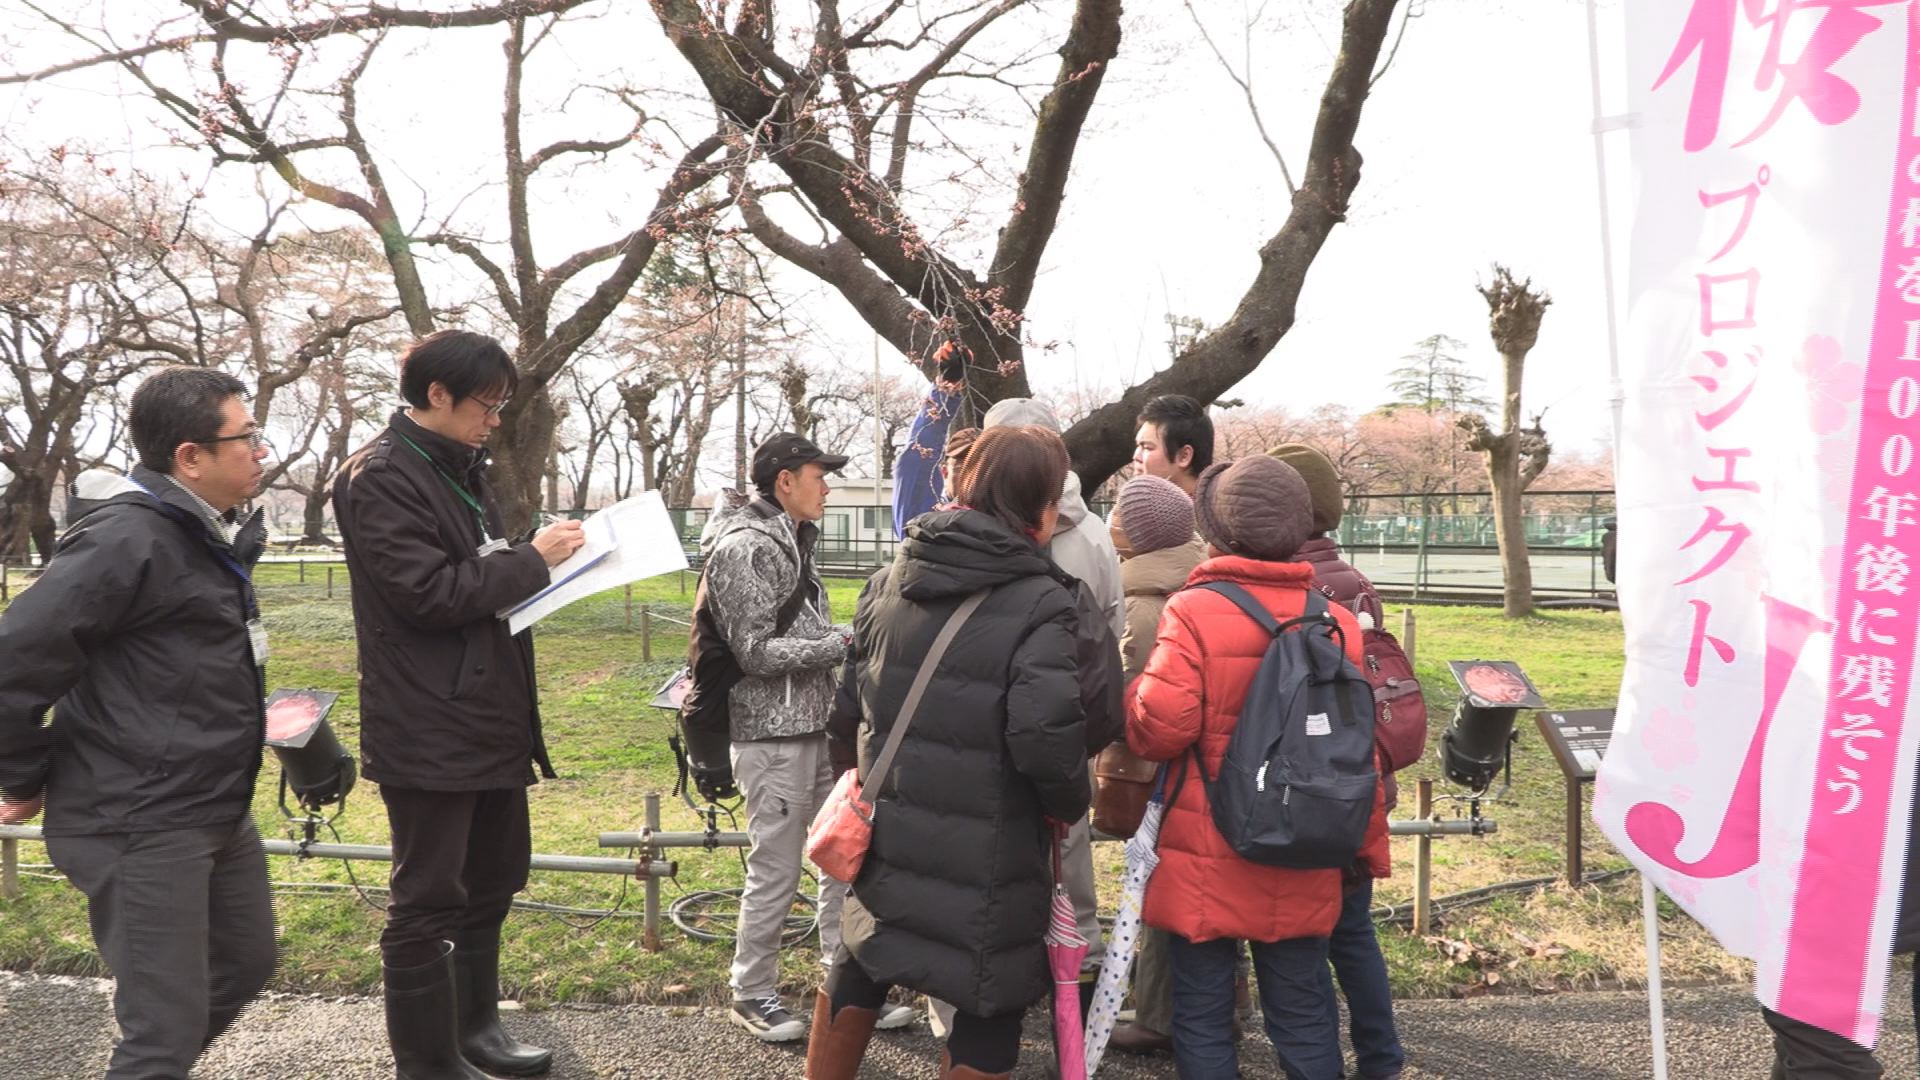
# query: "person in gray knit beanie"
1256,507
1159,515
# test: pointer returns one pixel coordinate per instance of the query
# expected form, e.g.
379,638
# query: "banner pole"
1649,909
1656,1008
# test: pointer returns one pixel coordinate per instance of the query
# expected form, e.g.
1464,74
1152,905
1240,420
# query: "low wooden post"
3,581
303,571
1423,864
1406,633
646,632
629,605
9,869
329,582
1576,828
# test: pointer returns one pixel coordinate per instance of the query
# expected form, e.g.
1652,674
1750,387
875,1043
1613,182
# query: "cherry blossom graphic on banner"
1769,503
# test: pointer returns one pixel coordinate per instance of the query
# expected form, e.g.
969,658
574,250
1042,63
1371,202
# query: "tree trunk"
1515,310
315,516
522,446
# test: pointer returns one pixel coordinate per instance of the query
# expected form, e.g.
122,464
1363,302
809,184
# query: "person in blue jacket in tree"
917,484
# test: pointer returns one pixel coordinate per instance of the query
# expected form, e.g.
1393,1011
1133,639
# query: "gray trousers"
785,782
185,921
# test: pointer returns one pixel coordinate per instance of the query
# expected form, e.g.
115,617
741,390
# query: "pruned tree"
1515,455
838,122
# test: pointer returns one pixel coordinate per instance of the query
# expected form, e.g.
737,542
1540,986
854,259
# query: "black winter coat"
138,629
953,898
446,693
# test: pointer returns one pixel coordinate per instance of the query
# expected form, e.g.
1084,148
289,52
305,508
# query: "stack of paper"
630,540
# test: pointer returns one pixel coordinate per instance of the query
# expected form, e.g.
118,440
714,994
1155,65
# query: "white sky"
1477,149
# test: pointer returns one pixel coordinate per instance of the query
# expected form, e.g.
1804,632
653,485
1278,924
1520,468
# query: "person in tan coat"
1159,516
1165,550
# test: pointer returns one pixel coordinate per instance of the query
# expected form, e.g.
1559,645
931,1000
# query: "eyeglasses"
255,439
493,407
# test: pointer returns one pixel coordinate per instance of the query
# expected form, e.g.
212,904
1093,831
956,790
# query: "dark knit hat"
1324,484
1158,514
1257,507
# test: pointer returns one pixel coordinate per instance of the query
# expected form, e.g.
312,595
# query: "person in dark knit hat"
1353,946
1255,514
1165,552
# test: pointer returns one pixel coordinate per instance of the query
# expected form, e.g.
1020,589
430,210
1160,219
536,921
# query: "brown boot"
950,1071
1136,1038
838,1040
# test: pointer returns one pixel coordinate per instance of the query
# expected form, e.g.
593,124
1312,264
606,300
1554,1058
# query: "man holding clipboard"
450,726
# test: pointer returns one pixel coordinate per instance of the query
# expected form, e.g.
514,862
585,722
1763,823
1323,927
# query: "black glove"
715,785
952,359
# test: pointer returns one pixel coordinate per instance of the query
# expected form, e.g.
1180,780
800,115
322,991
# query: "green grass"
610,749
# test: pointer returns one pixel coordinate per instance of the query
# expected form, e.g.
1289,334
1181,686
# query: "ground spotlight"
1478,745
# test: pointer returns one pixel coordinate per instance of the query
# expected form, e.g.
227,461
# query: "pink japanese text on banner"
1762,769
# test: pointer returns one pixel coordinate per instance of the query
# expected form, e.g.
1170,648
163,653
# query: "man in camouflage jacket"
762,599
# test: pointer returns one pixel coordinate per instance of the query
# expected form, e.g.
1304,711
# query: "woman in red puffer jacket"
1254,514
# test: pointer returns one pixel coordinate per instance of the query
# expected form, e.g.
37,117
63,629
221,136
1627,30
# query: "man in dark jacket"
450,727
144,637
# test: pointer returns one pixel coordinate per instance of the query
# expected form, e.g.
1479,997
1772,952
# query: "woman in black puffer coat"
953,898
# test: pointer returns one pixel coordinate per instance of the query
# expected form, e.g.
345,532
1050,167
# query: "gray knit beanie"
1157,514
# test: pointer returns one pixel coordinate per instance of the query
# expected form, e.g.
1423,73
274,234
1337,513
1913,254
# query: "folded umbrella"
1066,951
1142,859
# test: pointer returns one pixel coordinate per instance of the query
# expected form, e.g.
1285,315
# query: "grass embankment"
610,749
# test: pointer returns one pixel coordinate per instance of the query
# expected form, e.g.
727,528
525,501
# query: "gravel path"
59,1028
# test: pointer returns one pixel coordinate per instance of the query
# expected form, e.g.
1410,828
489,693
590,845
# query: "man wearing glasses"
450,727
144,637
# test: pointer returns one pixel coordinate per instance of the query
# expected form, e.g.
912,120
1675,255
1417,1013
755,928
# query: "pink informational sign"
1762,766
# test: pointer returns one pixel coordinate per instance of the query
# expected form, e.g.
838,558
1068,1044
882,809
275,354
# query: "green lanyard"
479,515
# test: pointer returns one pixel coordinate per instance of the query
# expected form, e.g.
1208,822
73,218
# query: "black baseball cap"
786,451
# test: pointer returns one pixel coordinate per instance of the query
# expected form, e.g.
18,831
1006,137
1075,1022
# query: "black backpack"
1296,787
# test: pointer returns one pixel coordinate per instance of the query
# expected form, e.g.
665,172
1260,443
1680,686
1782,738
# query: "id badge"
492,546
257,637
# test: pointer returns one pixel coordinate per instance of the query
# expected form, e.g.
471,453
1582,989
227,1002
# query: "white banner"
1762,768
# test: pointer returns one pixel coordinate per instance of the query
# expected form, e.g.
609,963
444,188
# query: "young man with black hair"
144,637
764,638
1175,440
450,724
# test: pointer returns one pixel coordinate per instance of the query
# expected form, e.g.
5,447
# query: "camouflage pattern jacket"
755,559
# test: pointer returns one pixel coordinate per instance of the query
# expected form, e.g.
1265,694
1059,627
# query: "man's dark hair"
1183,422
464,362
178,405
1013,474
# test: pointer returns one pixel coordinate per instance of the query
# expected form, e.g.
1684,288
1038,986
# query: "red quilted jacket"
1191,692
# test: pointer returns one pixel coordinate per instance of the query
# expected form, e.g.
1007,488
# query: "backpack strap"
1316,608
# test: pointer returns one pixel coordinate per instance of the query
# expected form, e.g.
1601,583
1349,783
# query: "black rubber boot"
420,1021
476,967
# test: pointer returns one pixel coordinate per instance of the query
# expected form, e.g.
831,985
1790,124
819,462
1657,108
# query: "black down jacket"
953,898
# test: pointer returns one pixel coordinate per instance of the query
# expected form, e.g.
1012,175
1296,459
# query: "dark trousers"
185,921
458,858
990,1044
1354,949
1293,996
1804,1052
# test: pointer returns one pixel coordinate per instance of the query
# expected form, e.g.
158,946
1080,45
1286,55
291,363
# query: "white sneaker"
767,1019
893,1016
